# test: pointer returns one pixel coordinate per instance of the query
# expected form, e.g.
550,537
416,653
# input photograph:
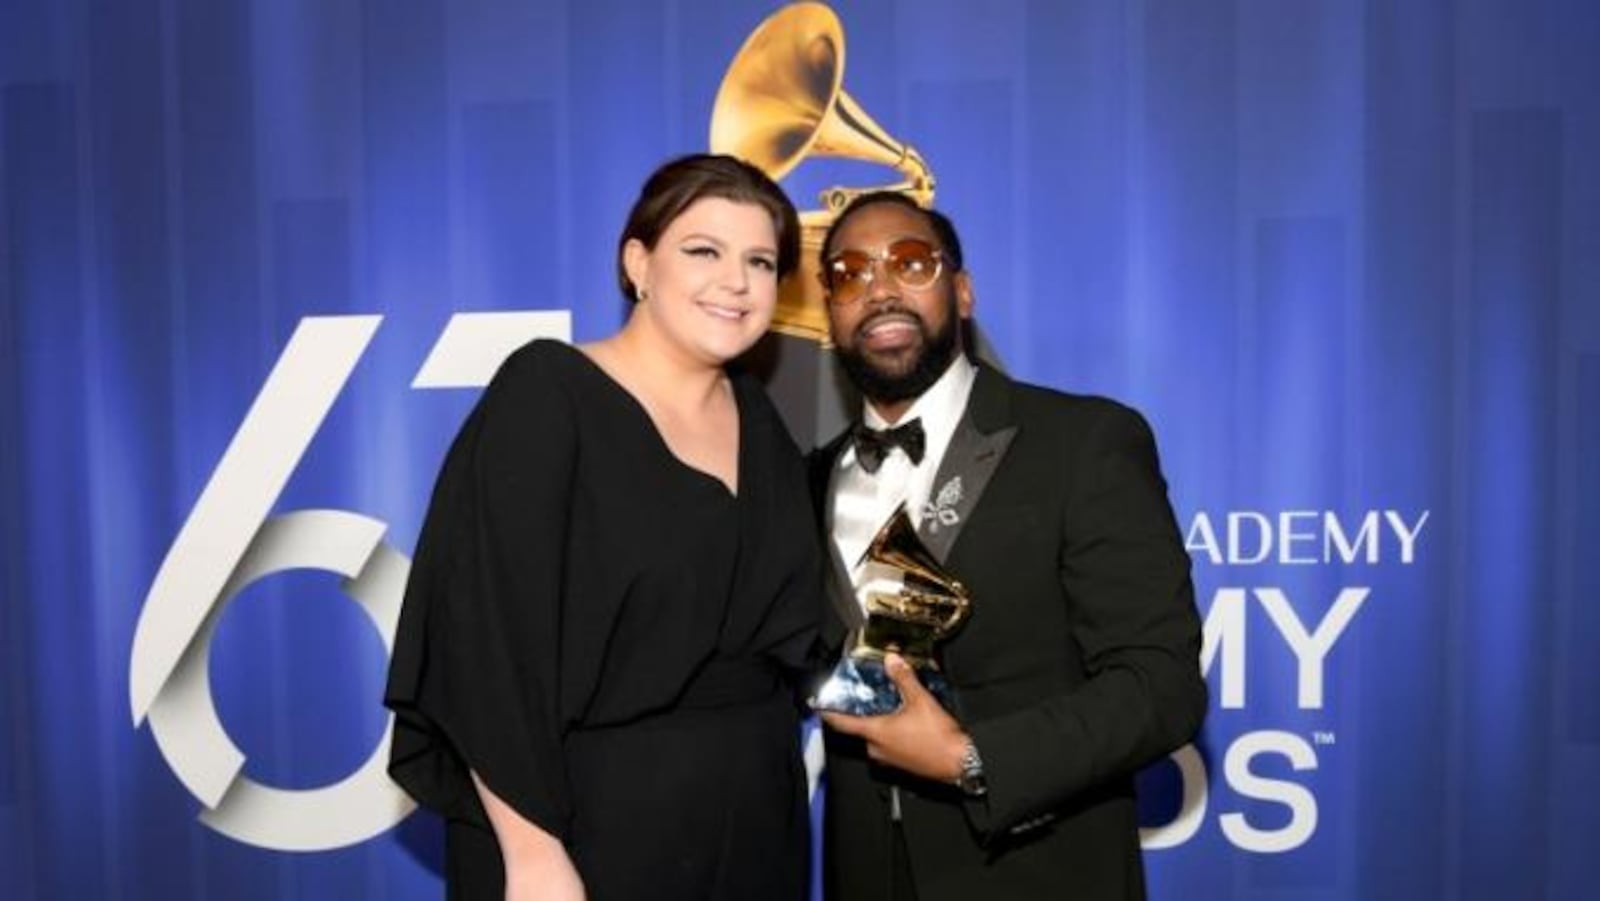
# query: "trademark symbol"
1319,737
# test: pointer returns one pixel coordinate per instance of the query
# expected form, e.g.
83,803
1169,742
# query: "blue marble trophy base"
860,686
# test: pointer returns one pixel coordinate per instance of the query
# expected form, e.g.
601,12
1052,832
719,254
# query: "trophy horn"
930,590
782,100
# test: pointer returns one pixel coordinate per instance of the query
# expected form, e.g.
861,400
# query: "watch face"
971,779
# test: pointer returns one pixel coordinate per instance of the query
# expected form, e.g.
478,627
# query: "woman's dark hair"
679,183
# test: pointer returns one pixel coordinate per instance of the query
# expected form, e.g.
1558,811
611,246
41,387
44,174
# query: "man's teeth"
889,326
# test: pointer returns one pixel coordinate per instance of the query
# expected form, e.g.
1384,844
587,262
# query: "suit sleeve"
474,678
1126,574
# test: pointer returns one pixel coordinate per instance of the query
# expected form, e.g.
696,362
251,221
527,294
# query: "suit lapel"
840,589
979,443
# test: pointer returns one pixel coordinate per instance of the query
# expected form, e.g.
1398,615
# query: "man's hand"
920,738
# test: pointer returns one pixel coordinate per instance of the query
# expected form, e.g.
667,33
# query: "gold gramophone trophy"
930,605
782,100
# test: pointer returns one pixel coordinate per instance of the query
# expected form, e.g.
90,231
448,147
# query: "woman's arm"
537,865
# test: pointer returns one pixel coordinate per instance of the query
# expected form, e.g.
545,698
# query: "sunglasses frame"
874,262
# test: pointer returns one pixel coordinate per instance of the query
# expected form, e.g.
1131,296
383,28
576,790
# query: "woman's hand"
537,865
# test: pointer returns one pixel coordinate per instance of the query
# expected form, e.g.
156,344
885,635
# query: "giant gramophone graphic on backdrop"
782,101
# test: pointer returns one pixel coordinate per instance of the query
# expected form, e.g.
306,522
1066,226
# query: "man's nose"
880,286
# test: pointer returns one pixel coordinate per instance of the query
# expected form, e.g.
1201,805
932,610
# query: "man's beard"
937,350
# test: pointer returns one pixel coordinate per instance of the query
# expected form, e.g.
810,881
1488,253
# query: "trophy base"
860,686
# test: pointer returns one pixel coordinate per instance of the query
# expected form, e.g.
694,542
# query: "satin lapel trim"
841,588
969,462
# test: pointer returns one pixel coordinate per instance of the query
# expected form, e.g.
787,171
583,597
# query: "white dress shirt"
861,502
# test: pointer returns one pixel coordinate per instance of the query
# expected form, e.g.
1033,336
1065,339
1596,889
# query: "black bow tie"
873,445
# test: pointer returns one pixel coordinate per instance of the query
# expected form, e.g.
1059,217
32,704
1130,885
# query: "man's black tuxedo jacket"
1078,666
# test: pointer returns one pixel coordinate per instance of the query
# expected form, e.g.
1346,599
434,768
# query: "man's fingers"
844,722
864,727
905,679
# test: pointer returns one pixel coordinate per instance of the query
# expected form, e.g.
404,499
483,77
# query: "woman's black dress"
609,639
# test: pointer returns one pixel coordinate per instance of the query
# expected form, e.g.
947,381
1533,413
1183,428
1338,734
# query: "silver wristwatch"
970,780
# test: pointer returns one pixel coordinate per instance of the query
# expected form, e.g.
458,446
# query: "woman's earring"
644,295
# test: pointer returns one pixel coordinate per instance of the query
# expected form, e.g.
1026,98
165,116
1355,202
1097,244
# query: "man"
1080,662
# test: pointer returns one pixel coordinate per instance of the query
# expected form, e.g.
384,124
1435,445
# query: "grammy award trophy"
929,606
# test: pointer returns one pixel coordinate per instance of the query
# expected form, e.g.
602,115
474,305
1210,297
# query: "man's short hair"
942,227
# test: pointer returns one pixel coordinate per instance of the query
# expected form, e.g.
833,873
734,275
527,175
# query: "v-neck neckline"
638,406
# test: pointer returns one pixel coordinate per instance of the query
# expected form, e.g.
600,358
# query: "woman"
616,586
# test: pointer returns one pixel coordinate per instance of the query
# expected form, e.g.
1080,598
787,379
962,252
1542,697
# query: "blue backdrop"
1345,255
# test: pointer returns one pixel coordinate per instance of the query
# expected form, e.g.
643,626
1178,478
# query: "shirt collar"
940,408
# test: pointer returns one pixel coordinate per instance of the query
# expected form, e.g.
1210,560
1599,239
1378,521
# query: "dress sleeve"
792,556
474,677
793,619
